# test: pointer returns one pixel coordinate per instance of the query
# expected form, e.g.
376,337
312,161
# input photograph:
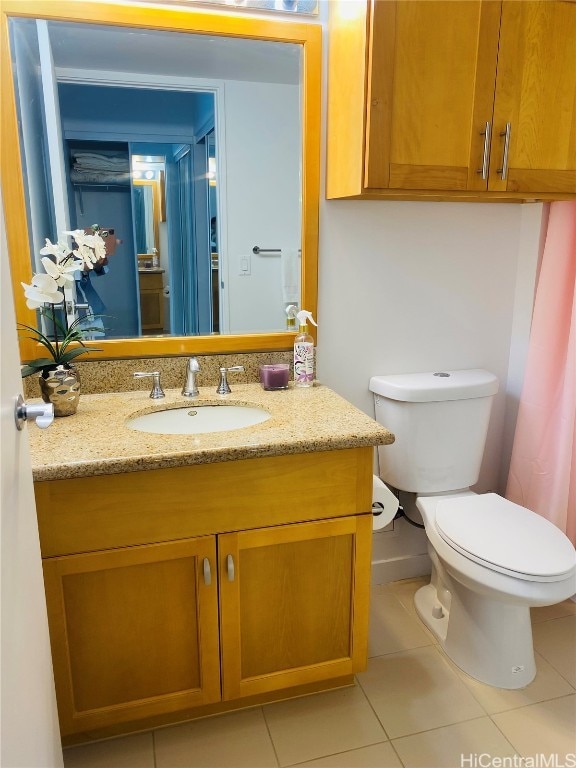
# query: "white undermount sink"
198,419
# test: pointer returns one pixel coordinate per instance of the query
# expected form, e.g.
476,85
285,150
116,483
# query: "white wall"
263,190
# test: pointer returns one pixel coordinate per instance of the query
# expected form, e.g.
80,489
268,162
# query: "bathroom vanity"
192,574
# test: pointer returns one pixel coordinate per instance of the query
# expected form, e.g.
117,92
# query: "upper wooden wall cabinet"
469,99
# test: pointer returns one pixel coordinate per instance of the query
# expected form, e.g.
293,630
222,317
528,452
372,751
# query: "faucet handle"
157,392
224,387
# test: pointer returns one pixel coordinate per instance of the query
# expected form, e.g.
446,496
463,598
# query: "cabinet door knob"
506,134
230,567
207,572
486,154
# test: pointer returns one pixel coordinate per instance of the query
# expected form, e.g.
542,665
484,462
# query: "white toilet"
491,559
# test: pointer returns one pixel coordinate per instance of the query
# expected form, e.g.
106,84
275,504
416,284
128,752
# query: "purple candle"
274,376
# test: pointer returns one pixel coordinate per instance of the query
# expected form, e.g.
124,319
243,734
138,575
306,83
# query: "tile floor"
410,708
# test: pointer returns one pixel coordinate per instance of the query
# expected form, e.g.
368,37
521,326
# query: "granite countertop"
96,440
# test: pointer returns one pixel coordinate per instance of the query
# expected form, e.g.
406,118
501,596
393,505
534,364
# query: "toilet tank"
440,421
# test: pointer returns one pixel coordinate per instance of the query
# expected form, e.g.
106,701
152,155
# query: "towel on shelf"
89,176
101,167
105,161
290,264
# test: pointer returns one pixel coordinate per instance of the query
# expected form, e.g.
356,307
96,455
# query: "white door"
28,717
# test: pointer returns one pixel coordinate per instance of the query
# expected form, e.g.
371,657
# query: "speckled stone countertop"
96,440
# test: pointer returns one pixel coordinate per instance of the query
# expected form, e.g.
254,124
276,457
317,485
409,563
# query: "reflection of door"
57,170
179,202
28,714
202,237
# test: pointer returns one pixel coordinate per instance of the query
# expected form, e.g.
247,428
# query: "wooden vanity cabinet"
193,609
452,99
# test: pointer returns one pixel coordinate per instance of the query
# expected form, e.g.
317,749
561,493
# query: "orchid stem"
55,329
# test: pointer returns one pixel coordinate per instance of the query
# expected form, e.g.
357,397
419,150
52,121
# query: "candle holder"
275,376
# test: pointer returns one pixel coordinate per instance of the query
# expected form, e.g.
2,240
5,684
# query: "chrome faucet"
190,388
157,391
224,387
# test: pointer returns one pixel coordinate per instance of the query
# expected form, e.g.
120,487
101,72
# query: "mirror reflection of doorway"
160,280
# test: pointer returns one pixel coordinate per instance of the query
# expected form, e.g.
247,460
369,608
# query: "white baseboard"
395,569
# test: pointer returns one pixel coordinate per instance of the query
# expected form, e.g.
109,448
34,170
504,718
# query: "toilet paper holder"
377,508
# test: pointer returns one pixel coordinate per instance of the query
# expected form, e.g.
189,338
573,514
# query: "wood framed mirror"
210,27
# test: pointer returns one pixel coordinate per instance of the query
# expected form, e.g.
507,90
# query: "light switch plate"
244,266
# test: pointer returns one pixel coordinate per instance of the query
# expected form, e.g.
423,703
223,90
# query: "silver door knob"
41,413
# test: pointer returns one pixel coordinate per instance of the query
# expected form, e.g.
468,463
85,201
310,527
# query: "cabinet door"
294,604
536,96
151,301
134,632
432,66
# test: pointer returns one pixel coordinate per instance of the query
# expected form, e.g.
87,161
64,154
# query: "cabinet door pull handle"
486,154
207,572
506,134
230,567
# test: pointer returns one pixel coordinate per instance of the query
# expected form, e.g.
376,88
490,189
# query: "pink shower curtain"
543,466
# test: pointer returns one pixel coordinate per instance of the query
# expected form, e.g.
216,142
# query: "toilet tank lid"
435,386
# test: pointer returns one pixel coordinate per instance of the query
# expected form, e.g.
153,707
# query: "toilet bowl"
492,560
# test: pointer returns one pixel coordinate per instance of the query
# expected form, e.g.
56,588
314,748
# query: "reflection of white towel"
290,262
106,161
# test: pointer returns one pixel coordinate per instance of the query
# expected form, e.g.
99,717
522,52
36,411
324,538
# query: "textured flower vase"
60,385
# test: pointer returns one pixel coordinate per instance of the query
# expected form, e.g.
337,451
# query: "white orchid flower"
43,290
89,248
78,234
96,242
59,250
63,271
86,255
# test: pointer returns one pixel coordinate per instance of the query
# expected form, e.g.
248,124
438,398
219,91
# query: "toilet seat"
505,537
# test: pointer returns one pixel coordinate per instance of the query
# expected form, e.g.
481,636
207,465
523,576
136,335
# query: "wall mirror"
194,137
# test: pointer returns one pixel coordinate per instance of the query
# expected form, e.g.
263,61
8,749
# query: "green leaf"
28,370
33,366
72,353
39,337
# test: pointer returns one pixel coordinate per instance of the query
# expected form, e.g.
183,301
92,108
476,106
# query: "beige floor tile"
448,747
392,627
548,728
548,684
235,740
128,752
405,594
375,756
566,608
323,724
416,690
556,641
405,586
